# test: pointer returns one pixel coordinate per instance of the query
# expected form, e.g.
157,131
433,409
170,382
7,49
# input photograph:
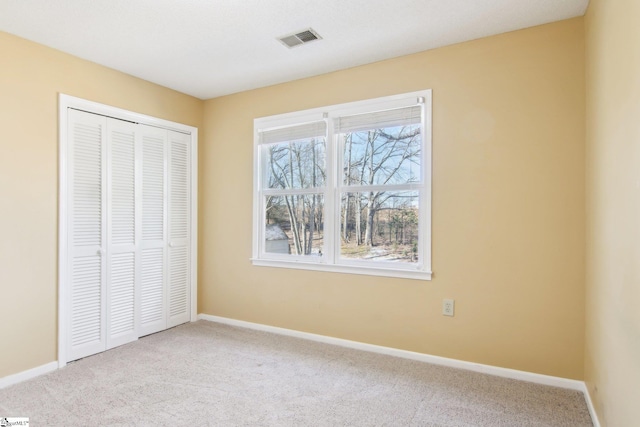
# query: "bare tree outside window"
381,223
299,166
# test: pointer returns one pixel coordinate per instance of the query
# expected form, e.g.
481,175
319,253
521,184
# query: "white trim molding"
405,354
28,374
592,409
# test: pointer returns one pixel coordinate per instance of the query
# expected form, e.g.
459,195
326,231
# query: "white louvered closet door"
153,282
126,256
179,229
86,261
122,261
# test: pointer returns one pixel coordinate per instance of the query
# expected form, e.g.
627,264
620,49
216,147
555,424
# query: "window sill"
347,269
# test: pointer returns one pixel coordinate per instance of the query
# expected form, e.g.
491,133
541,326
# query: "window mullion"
339,189
330,224
383,187
292,191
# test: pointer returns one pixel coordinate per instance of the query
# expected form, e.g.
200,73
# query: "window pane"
380,226
294,224
380,156
299,164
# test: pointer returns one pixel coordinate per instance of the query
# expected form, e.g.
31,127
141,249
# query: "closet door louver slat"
87,168
179,242
121,296
121,249
153,317
86,302
179,280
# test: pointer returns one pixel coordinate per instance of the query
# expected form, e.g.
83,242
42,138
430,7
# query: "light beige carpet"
208,374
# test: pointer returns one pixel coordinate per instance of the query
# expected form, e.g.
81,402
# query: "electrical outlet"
448,307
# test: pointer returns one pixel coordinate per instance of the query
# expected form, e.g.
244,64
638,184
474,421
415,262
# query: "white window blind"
294,133
379,119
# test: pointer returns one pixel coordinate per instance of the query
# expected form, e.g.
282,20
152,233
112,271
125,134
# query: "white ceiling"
208,48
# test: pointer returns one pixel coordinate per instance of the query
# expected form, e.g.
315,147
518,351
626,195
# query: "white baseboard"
28,374
592,409
421,357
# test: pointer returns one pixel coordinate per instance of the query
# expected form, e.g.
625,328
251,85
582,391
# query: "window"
346,188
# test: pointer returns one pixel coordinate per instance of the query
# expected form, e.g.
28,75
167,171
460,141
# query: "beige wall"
612,351
508,208
508,201
31,76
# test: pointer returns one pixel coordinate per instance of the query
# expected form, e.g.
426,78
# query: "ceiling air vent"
297,39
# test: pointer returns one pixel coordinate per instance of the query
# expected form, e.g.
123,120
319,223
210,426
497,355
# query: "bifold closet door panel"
153,282
122,227
86,234
179,285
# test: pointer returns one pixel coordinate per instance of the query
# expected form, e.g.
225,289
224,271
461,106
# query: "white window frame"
331,260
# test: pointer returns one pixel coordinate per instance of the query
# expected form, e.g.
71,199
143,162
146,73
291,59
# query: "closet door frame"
66,102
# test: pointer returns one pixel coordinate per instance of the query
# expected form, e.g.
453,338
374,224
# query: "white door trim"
64,103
